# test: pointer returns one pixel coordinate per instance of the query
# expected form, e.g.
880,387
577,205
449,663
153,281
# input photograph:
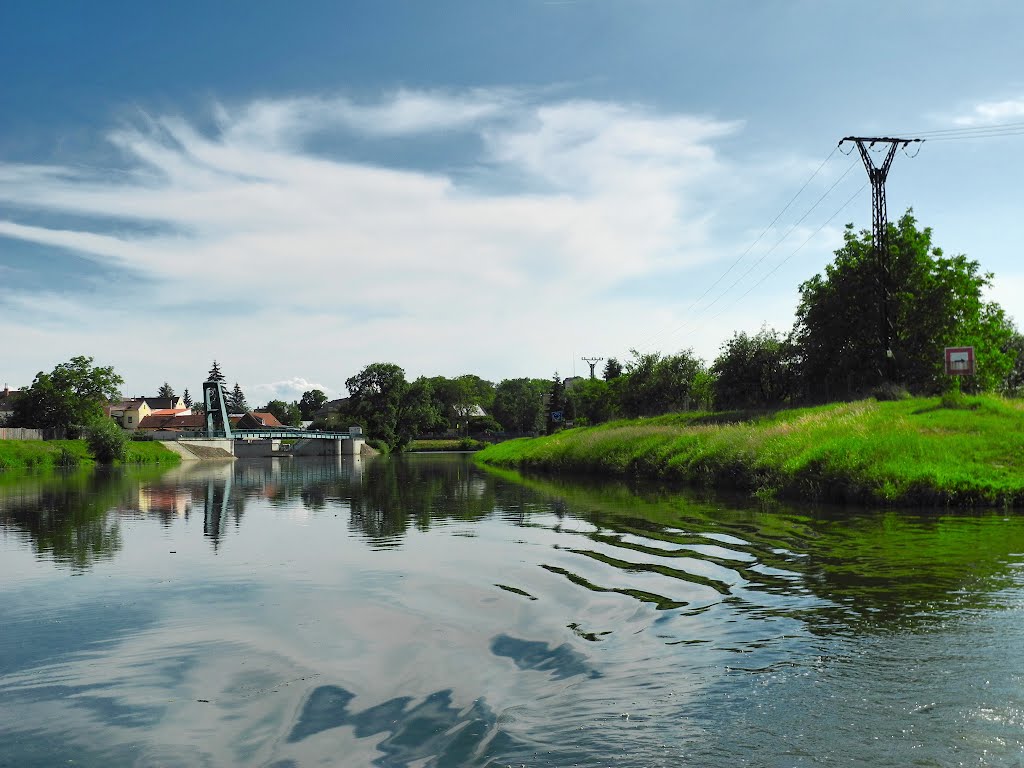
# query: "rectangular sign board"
959,361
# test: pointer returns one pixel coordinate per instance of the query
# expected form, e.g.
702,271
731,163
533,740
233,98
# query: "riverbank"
907,453
448,444
48,454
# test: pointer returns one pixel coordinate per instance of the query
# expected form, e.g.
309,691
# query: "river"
421,612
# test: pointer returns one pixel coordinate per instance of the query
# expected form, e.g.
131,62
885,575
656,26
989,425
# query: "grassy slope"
906,452
39,454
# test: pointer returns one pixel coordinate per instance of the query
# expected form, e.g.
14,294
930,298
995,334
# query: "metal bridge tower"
880,240
215,401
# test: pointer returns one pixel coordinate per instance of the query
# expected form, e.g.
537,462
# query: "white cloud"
277,260
992,113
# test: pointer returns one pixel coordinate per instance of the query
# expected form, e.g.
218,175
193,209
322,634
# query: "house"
130,413
8,397
172,421
257,420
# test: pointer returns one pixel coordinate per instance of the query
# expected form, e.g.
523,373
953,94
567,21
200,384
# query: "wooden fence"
16,433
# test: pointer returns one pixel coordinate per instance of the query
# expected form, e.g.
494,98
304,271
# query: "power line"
799,248
748,249
686,324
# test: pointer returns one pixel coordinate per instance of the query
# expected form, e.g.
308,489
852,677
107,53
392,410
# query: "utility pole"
880,239
592,361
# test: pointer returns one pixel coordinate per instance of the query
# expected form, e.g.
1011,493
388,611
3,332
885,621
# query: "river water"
419,612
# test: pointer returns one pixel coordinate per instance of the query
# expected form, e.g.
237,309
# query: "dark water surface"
421,612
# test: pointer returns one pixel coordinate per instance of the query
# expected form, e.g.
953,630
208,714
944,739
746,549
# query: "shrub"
66,459
890,391
107,442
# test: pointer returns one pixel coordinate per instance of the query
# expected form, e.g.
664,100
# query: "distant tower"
592,362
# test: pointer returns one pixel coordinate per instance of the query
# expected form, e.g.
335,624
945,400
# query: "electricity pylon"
880,239
592,361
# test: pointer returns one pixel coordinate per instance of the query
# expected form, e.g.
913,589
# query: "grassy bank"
454,444
40,454
910,452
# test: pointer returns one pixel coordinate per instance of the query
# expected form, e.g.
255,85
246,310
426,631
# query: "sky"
498,188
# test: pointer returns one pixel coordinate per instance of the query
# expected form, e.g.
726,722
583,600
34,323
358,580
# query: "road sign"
556,416
959,361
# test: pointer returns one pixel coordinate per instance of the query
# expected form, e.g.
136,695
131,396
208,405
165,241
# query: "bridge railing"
268,434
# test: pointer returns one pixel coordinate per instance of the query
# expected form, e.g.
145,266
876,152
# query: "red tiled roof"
173,421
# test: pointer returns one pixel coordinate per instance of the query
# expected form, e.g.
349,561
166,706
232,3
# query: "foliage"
69,397
612,369
753,371
519,404
166,390
556,404
908,452
456,400
654,384
187,399
937,301
593,401
107,442
312,401
215,373
47,454
236,400
478,425
287,413
388,407
452,444
1013,383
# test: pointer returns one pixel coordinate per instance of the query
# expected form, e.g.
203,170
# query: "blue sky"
490,187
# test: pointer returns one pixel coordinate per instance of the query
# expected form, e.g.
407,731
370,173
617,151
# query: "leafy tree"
936,301
753,371
593,401
236,400
69,397
166,391
107,442
312,401
1013,384
556,404
388,406
519,404
215,374
612,369
654,384
287,413
187,399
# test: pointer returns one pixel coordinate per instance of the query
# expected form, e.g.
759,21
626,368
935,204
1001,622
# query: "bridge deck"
271,434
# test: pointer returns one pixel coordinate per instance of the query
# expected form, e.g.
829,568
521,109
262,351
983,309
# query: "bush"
107,442
890,391
66,459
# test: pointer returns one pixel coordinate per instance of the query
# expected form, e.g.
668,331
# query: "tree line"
831,353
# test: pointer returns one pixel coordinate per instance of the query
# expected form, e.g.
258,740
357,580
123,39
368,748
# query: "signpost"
959,361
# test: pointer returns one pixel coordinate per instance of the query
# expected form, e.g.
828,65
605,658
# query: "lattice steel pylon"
880,240
592,361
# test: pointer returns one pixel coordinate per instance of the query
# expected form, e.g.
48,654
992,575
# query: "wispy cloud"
992,113
312,265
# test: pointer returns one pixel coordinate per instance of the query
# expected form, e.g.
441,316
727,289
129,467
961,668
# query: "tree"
654,384
612,369
215,374
519,404
107,442
1013,384
388,406
166,391
236,400
936,301
287,413
311,402
593,401
753,371
69,397
556,404
187,399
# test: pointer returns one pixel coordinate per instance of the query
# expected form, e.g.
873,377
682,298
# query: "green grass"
454,444
908,452
48,454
